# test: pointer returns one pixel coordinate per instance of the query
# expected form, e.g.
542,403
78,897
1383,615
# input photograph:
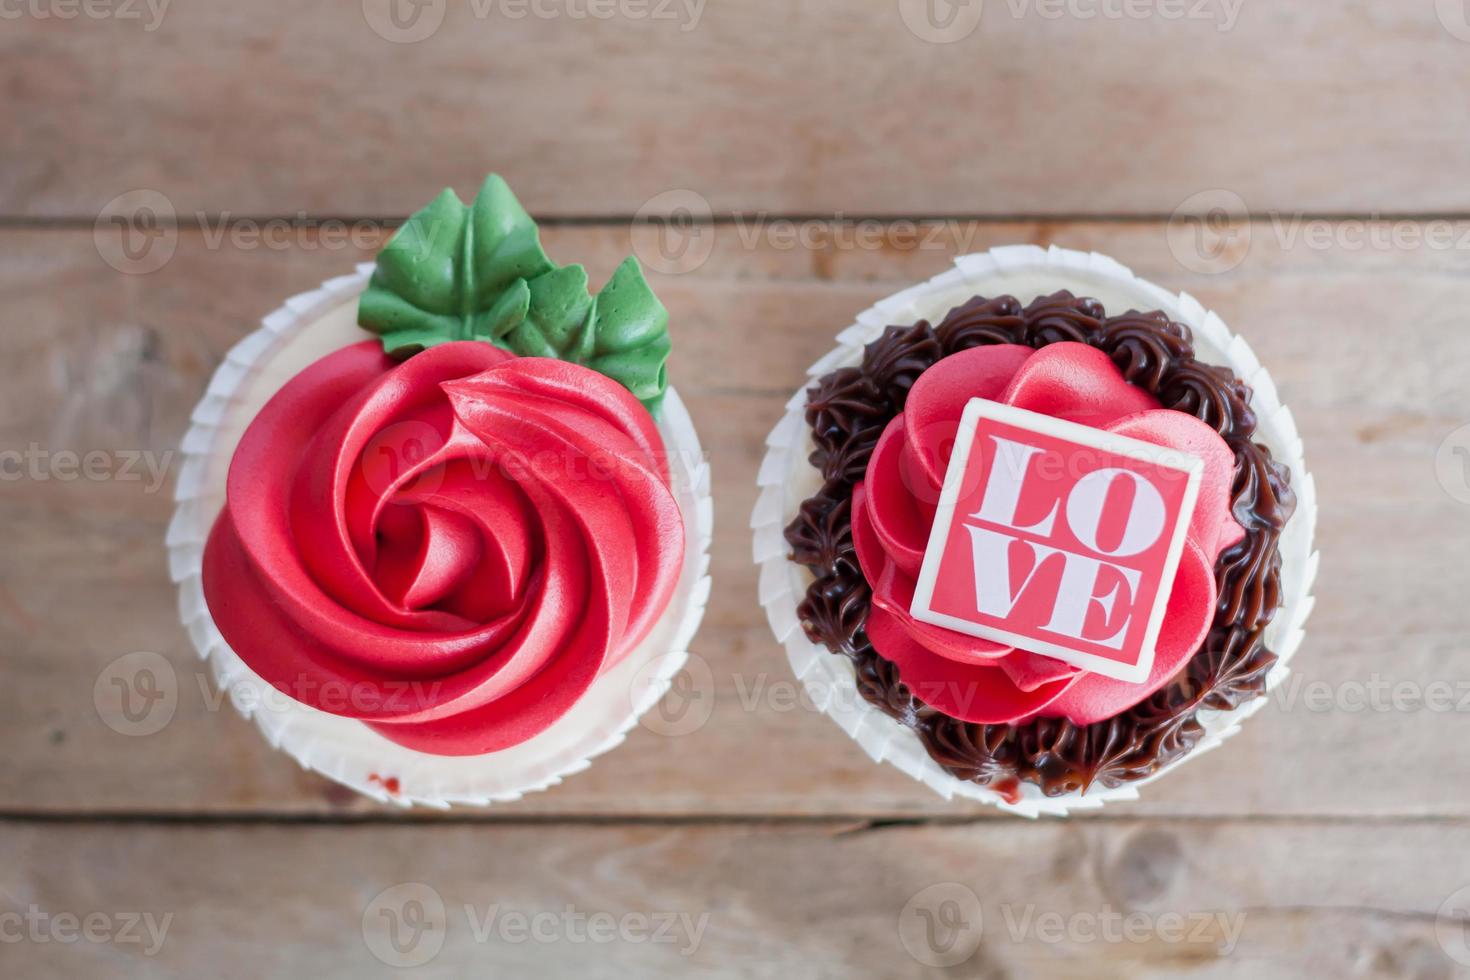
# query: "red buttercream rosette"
450,549
893,508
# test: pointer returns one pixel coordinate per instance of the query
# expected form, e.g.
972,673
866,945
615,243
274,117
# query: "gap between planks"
843,825
15,222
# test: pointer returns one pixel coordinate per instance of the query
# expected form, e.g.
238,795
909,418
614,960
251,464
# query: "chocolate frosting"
847,411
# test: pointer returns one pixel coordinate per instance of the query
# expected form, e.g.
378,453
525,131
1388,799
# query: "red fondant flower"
451,549
893,509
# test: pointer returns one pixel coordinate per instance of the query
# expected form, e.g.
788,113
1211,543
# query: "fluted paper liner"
786,478
344,749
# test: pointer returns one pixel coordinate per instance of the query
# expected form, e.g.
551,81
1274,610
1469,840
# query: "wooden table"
1332,833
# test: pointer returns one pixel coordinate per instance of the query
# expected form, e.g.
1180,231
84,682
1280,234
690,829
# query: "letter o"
1145,519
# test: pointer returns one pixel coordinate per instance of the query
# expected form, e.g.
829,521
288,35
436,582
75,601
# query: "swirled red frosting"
893,507
450,549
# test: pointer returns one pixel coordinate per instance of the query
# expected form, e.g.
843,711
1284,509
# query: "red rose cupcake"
443,527
1032,548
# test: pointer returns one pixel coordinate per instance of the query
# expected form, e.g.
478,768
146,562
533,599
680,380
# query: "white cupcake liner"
786,478
346,750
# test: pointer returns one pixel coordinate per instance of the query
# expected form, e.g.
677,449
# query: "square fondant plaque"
1057,538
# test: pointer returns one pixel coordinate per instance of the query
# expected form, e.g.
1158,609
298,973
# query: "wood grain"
1330,833
826,106
1364,344
1204,899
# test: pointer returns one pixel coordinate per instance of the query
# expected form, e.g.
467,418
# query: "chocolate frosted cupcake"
1037,531
443,526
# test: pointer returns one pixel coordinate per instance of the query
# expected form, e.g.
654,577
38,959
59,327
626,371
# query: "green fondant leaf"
446,269
631,339
560,309
507,312
477,272
408,341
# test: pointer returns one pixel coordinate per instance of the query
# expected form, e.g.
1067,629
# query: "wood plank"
1364,343
819,107
1209,899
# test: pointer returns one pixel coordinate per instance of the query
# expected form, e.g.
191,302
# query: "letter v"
991,552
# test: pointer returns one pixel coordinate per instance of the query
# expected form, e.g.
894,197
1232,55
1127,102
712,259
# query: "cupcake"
1037,531
443,525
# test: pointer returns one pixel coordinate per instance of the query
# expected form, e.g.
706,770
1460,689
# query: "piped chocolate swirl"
848,410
